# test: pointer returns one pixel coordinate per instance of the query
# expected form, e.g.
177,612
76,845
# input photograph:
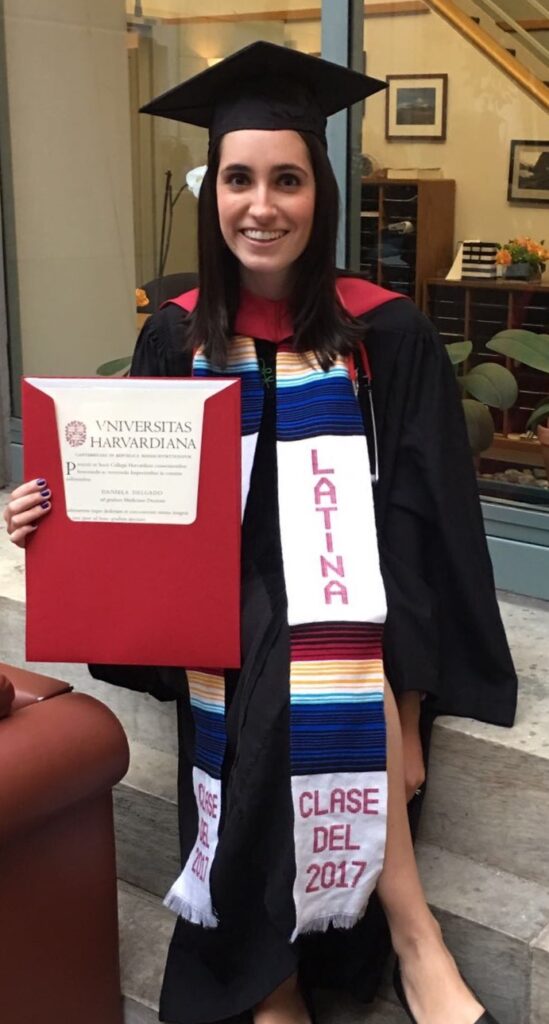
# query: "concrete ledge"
489,799
540,980
490,919
147,845
145,931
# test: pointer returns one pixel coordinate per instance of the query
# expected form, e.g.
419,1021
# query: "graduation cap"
267,87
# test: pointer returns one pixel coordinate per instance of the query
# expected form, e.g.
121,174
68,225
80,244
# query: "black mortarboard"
264,86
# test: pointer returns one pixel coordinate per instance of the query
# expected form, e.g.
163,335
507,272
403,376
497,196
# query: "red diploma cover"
135,593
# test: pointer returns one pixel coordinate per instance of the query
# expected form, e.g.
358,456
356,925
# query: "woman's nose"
262,204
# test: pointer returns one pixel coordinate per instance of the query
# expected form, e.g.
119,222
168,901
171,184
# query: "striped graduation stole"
336,610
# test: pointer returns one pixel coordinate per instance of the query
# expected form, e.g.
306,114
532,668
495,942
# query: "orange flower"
523,250
141,297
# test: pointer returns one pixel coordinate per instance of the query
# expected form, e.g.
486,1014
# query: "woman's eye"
237,180
289,180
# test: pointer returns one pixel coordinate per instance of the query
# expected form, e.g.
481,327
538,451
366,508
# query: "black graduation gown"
443,636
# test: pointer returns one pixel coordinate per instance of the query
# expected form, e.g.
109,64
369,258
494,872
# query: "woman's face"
266,199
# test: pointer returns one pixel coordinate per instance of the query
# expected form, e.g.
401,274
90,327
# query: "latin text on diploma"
130,449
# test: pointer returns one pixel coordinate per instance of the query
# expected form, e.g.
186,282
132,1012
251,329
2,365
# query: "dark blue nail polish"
45,494
41,483
45,504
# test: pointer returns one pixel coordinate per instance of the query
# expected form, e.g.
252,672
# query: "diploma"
138,561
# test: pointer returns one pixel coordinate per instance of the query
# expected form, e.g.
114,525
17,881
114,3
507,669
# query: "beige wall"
485,111
191,8
70,154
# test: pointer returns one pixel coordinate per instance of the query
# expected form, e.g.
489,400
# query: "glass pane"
457,151
66,186
84,175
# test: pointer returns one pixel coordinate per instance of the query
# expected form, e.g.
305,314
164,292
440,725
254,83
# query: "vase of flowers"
523,259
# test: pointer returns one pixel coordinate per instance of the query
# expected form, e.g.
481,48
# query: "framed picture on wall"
416,107
528,172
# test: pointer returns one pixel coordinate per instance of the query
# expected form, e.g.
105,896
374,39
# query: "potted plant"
523,258
193,182
539,422
532,350
487,384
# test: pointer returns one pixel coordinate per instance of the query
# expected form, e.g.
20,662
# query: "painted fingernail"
41,483
45,494
45,504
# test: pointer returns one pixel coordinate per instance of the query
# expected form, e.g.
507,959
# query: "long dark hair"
321,325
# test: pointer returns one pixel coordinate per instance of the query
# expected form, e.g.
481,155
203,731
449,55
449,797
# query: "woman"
271,769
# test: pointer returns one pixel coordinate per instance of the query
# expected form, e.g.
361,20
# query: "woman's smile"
262,237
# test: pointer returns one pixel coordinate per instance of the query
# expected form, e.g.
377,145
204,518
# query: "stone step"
496,926
496,923
487,796
488,792
145,931
489,787
145,808
494,942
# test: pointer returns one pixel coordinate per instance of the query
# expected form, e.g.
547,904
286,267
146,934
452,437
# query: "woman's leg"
434,988
283,1006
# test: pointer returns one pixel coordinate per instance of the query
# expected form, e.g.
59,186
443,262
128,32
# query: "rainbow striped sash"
336,610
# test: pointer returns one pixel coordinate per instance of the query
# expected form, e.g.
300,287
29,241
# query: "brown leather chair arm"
7,693
56,753
30,686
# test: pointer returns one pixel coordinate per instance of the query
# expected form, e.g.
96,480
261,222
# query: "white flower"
194,179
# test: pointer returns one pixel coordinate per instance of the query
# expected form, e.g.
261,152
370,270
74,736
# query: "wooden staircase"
504,31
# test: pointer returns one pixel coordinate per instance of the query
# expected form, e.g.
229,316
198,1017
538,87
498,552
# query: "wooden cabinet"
407,232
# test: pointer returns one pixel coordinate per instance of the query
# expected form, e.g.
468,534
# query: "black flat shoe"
485,1018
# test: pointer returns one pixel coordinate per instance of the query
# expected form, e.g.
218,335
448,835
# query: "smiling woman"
292,784
310,799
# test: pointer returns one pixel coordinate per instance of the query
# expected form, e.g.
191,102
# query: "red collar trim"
271,320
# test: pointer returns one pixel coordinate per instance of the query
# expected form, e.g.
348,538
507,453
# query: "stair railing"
496,53
530,41
542,8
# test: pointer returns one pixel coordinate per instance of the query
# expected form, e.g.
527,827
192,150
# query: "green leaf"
524,346
539,416
114,367
459,351
491,384
480,425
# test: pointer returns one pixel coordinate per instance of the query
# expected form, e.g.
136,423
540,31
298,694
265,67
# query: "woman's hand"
414,766
28,504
